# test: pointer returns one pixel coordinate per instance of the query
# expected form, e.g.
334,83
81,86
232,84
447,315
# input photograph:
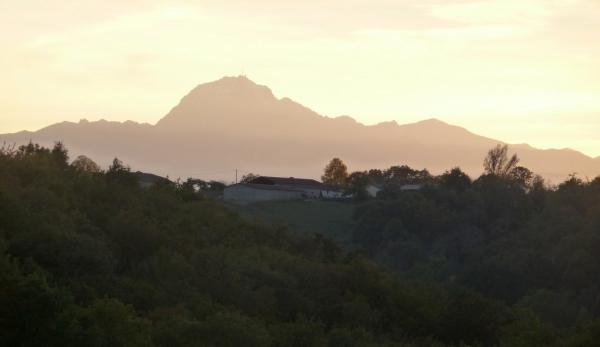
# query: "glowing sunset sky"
516,70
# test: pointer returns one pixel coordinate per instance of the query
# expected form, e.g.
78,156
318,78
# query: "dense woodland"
506,235
90,258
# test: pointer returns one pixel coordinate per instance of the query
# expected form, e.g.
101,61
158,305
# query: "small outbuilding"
372,190
411,187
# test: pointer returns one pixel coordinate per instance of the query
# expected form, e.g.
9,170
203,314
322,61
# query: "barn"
267,188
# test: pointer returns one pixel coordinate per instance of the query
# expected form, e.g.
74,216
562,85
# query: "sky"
521,71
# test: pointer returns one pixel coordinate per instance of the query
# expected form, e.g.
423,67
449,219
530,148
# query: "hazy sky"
517,70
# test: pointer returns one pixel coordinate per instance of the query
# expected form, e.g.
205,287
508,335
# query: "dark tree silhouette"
60,154
99,260
522,176
497,162
357,184
117,166
455,179
83,163
248,177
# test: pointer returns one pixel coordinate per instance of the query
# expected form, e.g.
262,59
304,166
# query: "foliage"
93,259
455,180
357,183
84,163
335,173
498,163
506,236
248,177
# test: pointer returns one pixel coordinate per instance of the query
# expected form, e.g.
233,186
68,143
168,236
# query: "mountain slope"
235,123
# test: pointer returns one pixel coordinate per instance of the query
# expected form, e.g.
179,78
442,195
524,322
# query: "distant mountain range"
234,123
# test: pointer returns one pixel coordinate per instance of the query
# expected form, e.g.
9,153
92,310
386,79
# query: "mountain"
235,123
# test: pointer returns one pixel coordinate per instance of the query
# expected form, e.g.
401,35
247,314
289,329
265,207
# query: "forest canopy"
91,258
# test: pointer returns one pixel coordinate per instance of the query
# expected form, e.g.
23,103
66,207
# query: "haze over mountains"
235,123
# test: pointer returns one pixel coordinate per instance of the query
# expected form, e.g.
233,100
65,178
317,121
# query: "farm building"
372,190
411,187
266,188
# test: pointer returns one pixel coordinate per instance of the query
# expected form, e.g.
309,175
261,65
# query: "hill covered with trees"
90,258
506,235
532,247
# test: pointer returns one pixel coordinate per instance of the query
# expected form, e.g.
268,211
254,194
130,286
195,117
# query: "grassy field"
330,218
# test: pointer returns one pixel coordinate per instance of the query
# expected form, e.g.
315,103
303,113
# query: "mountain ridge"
235,122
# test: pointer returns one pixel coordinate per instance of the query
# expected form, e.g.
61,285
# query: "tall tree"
335,172
498,163
60,154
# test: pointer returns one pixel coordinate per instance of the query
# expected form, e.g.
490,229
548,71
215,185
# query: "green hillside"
90,258
330,218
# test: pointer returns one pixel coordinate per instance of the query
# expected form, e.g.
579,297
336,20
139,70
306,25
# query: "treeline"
505,235
497,163
90,258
